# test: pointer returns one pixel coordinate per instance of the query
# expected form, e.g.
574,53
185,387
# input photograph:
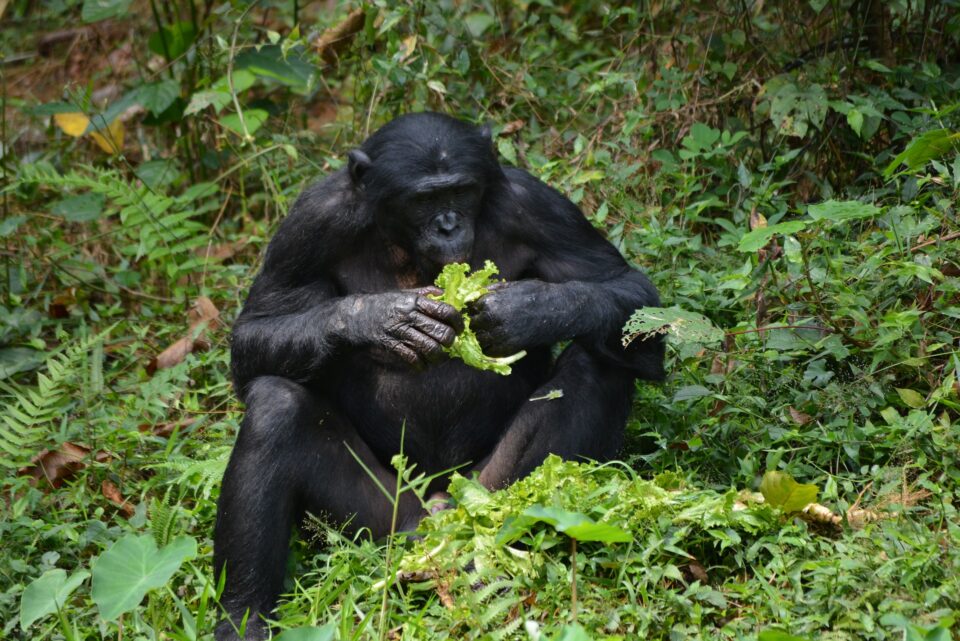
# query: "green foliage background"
787,171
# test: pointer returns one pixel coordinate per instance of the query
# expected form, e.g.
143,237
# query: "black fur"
336,346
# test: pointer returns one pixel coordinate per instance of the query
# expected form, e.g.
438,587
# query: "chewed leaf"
683,326
458,290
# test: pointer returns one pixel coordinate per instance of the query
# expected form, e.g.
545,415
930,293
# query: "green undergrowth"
788,177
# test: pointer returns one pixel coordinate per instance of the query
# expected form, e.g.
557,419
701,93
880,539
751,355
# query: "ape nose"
447,223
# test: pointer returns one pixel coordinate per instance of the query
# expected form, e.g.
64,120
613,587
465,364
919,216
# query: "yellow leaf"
407,47
73,124
111,138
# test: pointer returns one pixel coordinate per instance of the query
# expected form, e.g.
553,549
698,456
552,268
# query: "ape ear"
358,163
486,131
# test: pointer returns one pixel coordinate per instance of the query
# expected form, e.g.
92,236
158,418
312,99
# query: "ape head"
425,176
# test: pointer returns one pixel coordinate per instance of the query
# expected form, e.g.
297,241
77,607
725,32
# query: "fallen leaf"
166,429
511,127
110,139
112,493
799,417
73,123
203,315
60,465
335,39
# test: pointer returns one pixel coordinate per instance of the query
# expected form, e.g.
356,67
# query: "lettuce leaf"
458,290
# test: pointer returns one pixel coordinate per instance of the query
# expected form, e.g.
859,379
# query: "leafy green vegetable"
458,290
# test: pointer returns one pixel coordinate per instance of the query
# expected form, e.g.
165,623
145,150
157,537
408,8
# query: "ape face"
435,224
425,179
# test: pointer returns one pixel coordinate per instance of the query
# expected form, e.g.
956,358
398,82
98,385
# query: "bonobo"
339,346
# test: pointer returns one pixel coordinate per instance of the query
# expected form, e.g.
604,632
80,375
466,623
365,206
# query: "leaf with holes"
681,325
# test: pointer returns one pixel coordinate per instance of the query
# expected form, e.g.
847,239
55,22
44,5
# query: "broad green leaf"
477,23
172,41
681,325
842,210
47,594
574,632
781,491
312,633
269,61
133,566
691,392
932,145
855,120
758,238
96,10
252,118
79,209
157,96
911,398
18,359
10,225
577,525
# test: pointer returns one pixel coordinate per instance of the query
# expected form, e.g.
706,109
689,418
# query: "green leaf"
758,238
252,118
573,632
157,96
311,633
96,10
172,41
133,566
855,120
81,208
458,290
477,23
691,392
47,594
932,145
269,62
18,359
842,210
10,225
681,325
778,635
911,398
781,491
576,525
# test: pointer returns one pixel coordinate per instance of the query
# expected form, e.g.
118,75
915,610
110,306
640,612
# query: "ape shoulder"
324,223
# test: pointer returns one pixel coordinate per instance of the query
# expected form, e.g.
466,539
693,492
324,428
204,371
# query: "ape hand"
521,314
407,324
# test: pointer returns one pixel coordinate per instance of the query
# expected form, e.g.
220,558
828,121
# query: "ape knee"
276,408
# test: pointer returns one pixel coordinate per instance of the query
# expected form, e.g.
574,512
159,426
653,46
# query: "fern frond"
31,411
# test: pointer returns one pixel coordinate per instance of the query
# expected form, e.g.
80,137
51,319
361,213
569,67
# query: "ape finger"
433,328
406,354
441,311
423,345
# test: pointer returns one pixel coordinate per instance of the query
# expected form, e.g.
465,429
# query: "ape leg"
587,422
289,457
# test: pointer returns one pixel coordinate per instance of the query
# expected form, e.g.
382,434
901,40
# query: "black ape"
338,344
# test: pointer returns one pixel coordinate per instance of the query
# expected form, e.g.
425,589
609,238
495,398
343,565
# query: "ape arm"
295,319
580,287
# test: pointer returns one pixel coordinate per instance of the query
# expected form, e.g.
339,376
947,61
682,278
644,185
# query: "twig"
939,239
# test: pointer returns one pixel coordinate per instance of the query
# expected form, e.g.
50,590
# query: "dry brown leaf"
166,429
203,315
112,493
511,127
60,465
335,39
799,417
